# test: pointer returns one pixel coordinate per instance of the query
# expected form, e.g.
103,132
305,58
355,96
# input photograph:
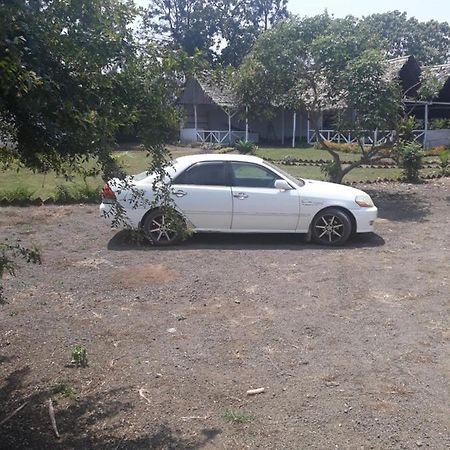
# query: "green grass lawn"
309,153
39,185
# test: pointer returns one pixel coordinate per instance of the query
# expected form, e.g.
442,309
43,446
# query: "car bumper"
365,219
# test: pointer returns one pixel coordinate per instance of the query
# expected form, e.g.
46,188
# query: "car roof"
191,159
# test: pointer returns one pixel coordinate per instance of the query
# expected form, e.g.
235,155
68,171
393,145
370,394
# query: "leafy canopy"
73,74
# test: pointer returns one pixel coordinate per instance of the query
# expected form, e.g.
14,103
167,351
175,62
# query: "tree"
399,35
73,74
223,30
190,25
321,63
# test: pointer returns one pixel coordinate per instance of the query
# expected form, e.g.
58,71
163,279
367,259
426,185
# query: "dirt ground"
352,345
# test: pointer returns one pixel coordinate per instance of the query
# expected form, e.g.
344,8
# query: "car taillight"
108,193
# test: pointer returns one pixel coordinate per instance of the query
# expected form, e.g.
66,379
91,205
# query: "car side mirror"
282,185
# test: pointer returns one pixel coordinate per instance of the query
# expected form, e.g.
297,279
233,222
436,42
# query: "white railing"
369,138
218,136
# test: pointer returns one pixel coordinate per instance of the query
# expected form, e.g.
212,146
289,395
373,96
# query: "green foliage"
405,128
79,356
77,193
411,155
320,63
430,85
63,100
401,36
439,124
204,26
444,158
66,390
236,417
20,194
244,147
8,255
331,170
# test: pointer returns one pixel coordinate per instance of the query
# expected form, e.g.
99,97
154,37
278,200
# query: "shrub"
331,170
20,194
443,161
224,150
237,417
79,356
439,124
435,151
245,147
344,148
66,193
410,155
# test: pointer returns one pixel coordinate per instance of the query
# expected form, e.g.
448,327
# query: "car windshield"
298,181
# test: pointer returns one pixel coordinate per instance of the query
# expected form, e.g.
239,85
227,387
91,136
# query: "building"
212,114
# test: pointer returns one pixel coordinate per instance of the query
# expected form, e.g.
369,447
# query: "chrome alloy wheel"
329,228
160,232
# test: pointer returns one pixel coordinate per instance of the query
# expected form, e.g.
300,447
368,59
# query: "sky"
421,9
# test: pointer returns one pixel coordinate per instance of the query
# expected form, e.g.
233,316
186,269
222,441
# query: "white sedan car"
242,194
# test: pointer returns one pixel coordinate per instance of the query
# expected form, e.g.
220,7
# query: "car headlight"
364,201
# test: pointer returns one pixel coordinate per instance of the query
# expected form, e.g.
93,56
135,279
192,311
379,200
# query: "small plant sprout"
237,417
64,389
79,356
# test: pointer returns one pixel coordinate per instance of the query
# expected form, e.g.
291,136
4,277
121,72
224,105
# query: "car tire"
158,231
331,227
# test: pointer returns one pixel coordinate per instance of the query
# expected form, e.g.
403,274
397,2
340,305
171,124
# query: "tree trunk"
314,118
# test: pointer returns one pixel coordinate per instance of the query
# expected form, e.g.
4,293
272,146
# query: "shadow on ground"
400,206
232,241
92,422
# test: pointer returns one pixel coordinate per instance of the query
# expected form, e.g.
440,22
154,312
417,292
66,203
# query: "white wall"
436,138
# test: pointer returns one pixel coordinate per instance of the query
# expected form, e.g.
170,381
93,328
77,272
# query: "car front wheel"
163,229
331,227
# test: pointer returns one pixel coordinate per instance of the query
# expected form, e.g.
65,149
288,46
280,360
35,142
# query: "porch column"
307,129
294,124
425,131
195,121
300,125
246,124
229,127
282,127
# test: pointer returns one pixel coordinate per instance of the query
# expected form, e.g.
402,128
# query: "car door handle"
180,193
240,195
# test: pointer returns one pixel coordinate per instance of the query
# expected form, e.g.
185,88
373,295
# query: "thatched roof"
440,73
394,66
209,87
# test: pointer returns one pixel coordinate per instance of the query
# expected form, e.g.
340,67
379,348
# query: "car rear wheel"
163,229
331,227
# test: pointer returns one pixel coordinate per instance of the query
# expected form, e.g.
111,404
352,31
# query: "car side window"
252,175
205,174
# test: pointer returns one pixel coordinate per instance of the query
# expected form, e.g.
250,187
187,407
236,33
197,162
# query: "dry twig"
141,393
51,413
13,414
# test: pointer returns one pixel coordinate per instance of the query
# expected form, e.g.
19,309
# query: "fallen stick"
255,391
51,413
13,414
194,417
141,393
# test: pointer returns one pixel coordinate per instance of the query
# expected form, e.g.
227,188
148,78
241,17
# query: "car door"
257,204
202,192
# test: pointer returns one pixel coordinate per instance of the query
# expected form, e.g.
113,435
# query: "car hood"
322,189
